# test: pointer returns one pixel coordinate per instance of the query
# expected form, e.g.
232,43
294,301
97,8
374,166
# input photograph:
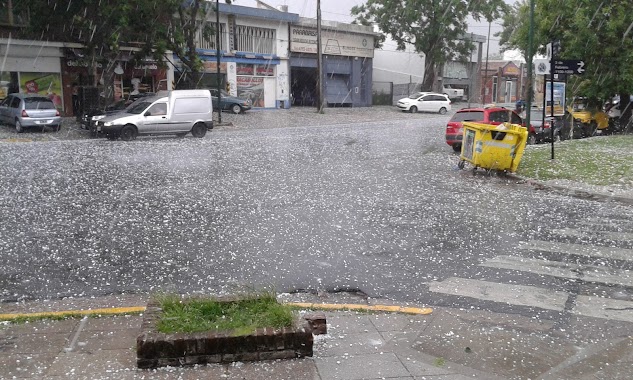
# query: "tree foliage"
600,33
103,27
148,27
186,20
435,28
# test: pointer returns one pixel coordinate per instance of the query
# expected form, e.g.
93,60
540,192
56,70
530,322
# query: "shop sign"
74,63
304,40
45,84
511,70
245,69
212,67
251,88
266,70
147,66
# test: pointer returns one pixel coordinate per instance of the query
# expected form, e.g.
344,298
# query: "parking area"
255,119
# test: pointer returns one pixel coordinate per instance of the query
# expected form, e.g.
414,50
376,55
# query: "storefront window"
8,83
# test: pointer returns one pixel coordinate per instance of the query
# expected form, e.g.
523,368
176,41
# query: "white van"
180,112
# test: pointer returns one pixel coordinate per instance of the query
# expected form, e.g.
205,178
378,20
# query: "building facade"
253,54
347,51
32,67
503,82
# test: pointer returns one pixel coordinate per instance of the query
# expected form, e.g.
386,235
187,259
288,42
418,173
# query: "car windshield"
38,104
468,116
138,106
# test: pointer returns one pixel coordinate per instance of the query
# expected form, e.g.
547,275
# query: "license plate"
43,121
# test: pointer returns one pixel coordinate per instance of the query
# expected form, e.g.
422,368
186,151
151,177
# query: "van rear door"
187,110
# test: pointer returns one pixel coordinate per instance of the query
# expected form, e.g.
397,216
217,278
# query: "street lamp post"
485,84
320,97
530,53
217,54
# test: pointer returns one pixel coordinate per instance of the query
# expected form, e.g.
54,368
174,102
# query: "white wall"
397,66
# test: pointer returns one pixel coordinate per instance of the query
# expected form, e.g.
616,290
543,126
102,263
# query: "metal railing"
254,44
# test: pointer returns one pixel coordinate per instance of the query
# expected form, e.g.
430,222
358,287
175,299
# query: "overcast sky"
339,10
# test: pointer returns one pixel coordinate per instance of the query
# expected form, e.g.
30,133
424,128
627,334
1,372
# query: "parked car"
88,118
426,102
228,102
543,129
180,112
487,115
29,111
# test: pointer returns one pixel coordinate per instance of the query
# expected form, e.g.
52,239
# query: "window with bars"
202,43
254,39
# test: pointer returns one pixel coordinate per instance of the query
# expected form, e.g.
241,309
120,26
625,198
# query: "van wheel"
128,133
442,111
199,130
235,108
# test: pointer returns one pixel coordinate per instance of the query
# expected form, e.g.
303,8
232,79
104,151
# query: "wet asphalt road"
377,207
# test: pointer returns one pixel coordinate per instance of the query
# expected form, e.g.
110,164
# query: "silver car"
29,111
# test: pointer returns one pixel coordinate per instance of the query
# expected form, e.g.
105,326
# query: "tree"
185,21
103,27
434,28
516,27
599,33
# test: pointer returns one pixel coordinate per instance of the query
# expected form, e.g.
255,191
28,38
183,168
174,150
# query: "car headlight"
97,117
108,124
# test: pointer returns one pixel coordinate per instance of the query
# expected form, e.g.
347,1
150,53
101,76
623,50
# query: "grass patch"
207,314
602,161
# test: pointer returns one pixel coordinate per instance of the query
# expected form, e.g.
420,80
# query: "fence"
388,93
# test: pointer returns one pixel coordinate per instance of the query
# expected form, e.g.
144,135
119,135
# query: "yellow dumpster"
493,147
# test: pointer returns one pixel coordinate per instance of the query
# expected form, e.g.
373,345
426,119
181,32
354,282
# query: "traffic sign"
541,66
569,66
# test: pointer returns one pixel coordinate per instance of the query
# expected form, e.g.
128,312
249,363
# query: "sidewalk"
359,345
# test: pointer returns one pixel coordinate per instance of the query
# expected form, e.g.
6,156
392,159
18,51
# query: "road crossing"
556,259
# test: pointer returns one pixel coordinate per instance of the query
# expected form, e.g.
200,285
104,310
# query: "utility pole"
319,61
217,55
485,84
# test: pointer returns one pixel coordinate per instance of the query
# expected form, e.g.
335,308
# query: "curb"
584,194
141,309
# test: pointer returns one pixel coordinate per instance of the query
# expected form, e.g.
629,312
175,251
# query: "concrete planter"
155,349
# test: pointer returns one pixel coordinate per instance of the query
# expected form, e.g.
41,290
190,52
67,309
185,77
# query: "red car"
486,115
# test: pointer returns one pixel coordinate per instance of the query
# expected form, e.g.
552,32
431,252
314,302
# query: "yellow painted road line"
359,307
140,309
108,311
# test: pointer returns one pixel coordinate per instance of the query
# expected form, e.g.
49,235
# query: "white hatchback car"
426,102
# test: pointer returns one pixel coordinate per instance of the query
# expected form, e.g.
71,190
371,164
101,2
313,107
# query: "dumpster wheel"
461,164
